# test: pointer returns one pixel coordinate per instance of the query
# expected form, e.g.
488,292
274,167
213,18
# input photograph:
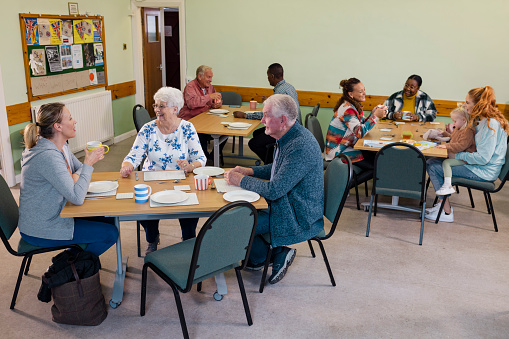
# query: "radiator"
94,115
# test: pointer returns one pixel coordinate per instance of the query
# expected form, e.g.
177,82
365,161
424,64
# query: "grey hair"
171,96
282,104
202,69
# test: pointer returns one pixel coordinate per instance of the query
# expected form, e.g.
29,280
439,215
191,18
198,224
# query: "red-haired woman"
491,141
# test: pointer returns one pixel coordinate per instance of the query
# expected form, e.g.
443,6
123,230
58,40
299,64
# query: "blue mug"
142,192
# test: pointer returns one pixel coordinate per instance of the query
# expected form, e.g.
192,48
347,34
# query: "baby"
462,140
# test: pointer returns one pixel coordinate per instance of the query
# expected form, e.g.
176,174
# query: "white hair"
282,104
171,96
202,69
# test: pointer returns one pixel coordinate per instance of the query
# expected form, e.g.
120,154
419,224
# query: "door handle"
160,67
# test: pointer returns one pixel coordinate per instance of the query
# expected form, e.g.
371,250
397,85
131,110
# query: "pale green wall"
454,45
117,28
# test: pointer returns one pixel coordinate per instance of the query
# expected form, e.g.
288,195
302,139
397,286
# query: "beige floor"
455,285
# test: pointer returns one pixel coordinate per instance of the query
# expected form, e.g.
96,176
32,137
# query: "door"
171,48
152,66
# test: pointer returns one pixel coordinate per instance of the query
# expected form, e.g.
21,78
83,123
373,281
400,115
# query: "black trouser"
187,225
258,144
368,163
204,139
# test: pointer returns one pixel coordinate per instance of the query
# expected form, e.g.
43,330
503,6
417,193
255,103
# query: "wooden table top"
211,123
417,129
209,200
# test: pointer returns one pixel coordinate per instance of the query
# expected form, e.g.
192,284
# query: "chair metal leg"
435,201
138,237
427,183
492,212
265,269
329,270
457,189
180,311
356,191
233,145
487,204
198,286
369,215
311,249
471,198
441,209
366,188
27,268
422,221
18,282
376,204
143,290
244,298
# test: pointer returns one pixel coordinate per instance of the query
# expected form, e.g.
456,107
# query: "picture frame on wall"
73,8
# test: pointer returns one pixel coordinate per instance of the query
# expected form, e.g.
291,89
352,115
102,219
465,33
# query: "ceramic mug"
405,115
252,105
92,145
201,182
142,192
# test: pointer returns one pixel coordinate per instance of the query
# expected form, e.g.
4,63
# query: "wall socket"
124,46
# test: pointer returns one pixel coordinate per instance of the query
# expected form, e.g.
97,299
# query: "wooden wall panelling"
122,89
18,113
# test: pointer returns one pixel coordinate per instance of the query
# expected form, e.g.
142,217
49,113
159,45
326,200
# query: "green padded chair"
486,187
8,224
231,98
223,244
400,170
337,178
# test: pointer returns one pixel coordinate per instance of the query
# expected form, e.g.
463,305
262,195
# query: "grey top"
46,186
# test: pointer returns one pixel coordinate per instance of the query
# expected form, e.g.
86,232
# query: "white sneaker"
443,217
433,209
445,190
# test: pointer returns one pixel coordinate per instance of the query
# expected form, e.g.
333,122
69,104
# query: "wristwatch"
192,165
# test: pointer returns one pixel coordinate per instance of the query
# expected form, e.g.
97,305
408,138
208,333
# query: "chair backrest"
313,125
337,179
400,170
140,117
9,214
315,109
231,98
223,242
504,172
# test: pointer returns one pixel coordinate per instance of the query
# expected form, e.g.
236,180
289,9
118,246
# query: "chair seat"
321,234
26,247
481,185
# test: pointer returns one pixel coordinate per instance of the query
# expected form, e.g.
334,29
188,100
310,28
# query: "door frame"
137,36
5,142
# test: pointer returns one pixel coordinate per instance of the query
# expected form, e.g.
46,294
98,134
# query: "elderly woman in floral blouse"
167,143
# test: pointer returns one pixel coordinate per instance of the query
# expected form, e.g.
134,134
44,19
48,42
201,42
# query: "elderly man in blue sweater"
293,186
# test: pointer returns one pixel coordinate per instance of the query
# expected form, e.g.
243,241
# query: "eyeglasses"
411,86
161,107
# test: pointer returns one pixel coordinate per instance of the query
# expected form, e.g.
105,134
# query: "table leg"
118,285
217,141
221,286
241,146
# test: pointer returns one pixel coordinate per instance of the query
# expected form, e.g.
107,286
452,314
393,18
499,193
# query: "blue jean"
260,248
436,173
100,233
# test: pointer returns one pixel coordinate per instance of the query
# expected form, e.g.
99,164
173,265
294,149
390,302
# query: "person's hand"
397,115
412,116
380,111
233,178
243,170
126,169
185,165
215,96
239,114
441,146
91,157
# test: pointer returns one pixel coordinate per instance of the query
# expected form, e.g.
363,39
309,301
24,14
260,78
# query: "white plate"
209,170
102,186
219,111
169,197
241,196
240,124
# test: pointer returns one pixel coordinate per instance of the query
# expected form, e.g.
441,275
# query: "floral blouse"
163,150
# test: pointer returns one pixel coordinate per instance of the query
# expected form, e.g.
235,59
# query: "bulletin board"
62,54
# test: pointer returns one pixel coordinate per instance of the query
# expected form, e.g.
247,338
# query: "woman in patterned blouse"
167,143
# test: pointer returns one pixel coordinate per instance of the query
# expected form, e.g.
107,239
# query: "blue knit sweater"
296,192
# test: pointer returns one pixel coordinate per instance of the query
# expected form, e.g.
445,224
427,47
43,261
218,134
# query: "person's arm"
392,113
485,142
463,141
194,97
353,123
195,151
251,115
430,112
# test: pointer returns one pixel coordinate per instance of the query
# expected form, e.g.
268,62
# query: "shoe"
282,261
256,267
152,246
433,209
443,217
445,190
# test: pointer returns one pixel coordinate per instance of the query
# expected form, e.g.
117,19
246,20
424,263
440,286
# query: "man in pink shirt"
199,97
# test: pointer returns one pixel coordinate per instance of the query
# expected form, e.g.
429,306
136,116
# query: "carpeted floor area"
455,285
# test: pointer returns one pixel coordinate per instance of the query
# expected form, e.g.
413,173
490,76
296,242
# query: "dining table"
202,203
389,131
220,128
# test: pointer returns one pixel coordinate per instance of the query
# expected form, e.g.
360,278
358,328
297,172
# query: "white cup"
201,182
252,104
92,145
405,115
142,192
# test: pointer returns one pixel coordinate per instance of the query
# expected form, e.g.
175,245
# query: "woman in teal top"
491,141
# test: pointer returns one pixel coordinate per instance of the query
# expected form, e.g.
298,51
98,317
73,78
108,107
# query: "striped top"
346,127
